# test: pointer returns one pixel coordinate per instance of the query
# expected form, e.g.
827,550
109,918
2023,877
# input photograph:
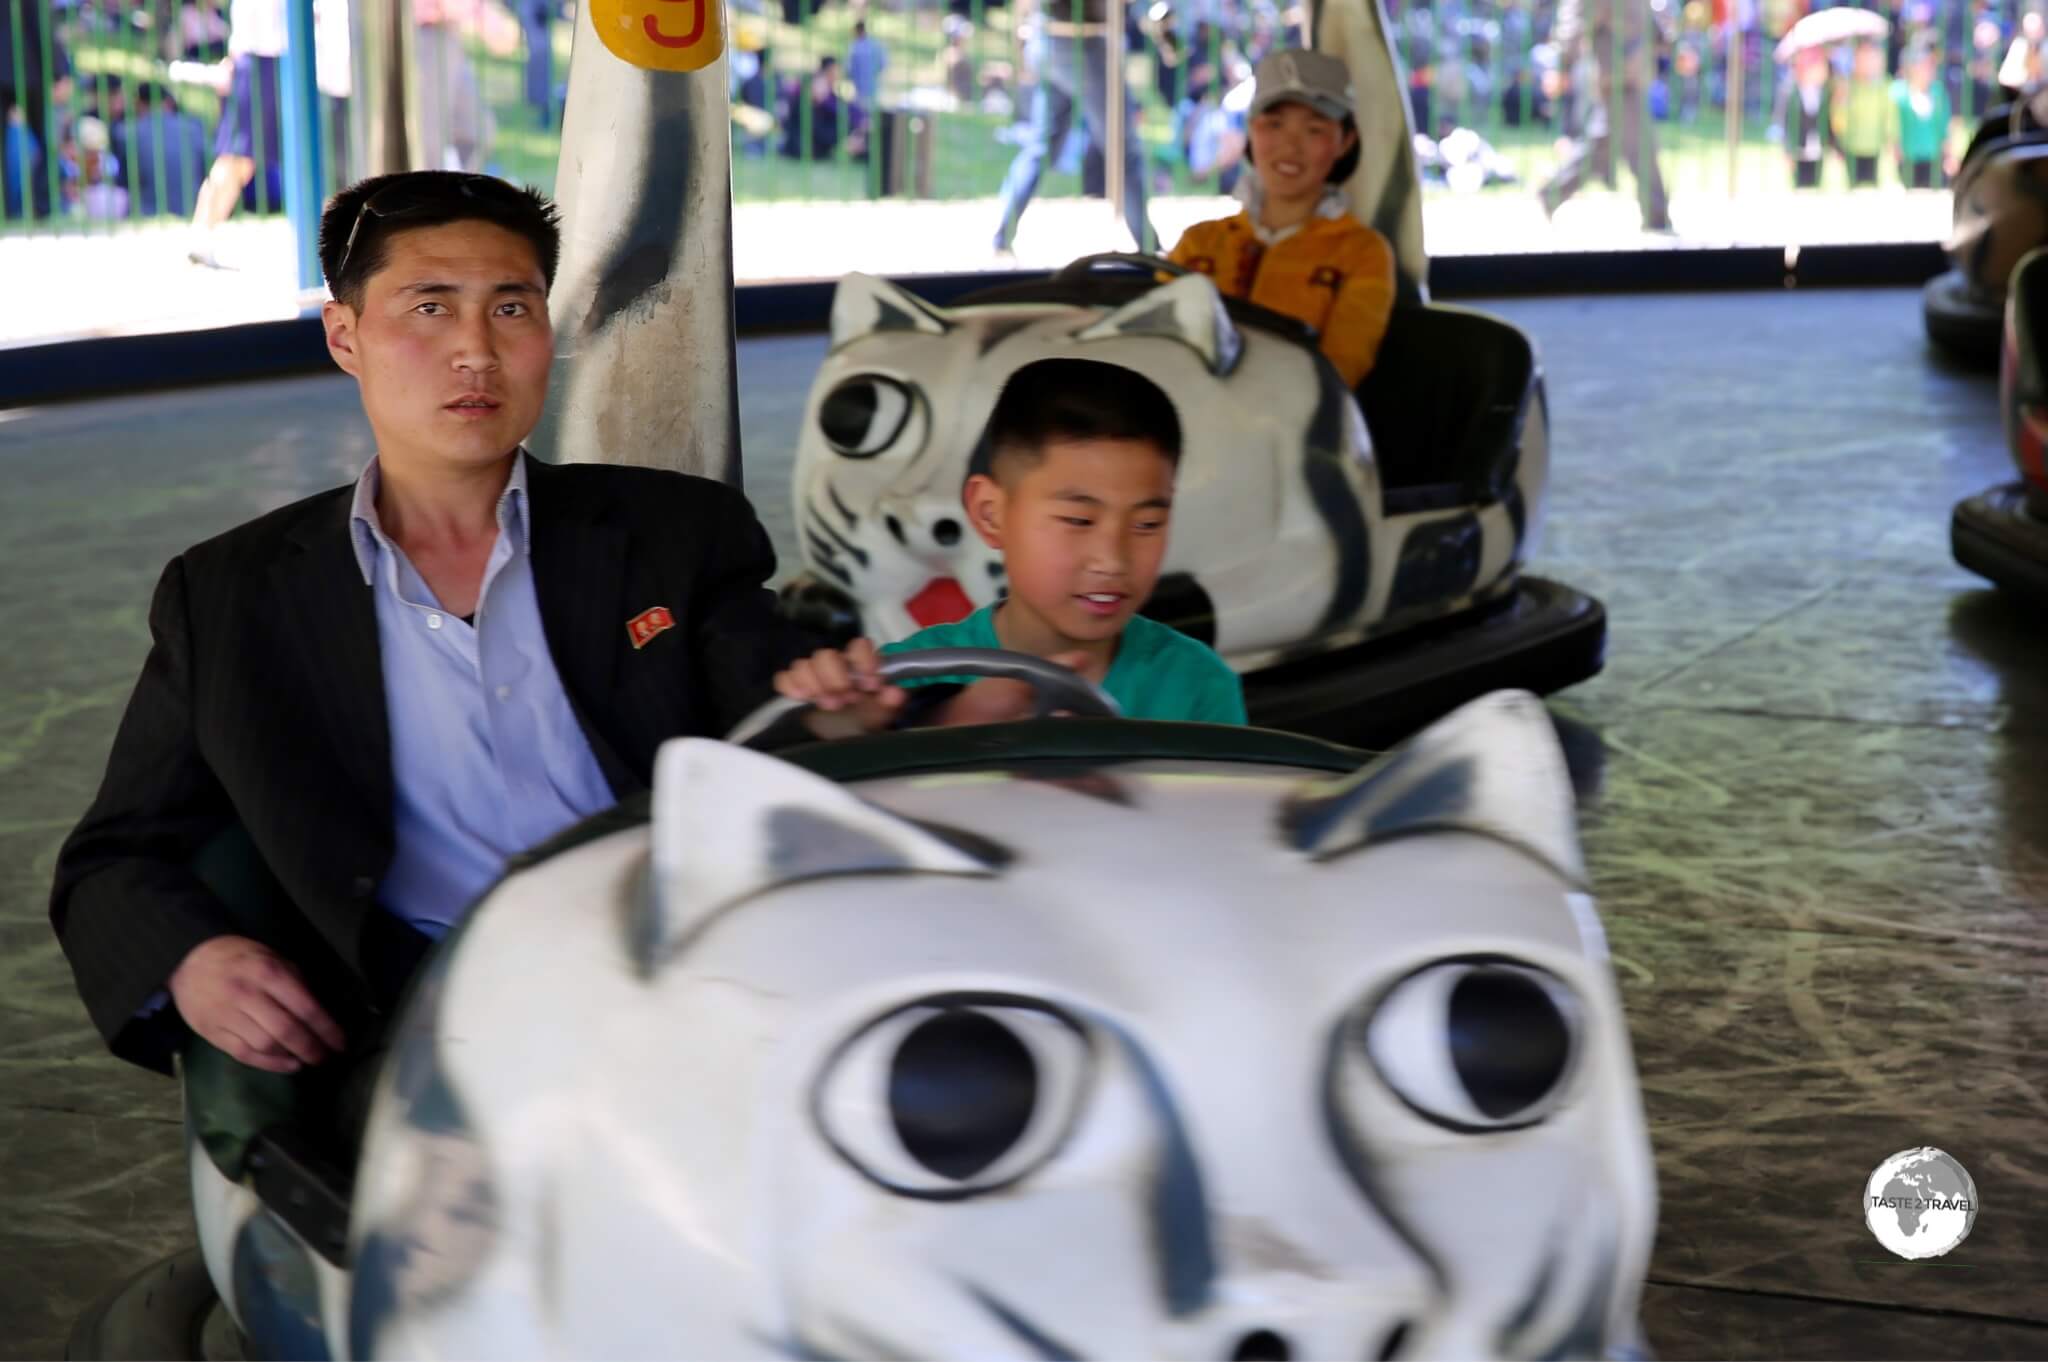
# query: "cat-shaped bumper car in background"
2001,213
1080,1038
1356,557
2002,534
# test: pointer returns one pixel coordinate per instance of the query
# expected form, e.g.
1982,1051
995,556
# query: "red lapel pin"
644,626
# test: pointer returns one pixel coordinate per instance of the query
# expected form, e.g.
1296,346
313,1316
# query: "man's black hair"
426,198
1078,399
1343,167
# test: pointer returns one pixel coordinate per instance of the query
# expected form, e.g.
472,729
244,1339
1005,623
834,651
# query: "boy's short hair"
371,212
1075,399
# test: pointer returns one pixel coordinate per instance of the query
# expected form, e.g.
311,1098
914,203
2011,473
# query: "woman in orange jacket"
1296,248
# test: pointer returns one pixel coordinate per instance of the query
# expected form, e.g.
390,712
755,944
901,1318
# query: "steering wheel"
1129,259
1056,687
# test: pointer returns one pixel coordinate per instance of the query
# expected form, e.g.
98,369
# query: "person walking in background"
533,16
248,138
1607,43
1863,114
1071,55
866,59
1920,119
333,74
456,128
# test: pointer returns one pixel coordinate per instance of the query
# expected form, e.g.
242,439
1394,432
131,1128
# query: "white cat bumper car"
2000,214
1080,1038
2002,533
1358,558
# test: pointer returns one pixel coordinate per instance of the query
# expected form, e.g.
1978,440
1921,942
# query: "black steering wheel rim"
1135,260
1055,687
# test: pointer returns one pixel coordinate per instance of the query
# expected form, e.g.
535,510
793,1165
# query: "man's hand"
845,685
243,999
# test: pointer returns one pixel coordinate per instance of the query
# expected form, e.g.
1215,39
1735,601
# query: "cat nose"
946,532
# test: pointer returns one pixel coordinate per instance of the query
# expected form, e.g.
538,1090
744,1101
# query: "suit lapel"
579,579
319,585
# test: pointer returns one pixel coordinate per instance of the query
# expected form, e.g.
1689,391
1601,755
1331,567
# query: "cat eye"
952,1097
1473,1045
865,415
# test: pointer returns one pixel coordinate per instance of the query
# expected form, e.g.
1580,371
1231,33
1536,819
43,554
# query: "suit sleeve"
126,905
741,639
1359,317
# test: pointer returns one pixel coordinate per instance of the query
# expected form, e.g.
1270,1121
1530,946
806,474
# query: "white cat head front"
1275,475
1089,1058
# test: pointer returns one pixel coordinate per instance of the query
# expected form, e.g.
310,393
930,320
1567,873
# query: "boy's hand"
846,686
1001,701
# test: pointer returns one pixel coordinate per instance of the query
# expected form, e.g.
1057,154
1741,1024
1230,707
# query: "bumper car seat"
1444,405
271,1166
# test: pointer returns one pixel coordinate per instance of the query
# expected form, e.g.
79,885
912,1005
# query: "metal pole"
645,370
300,130
384,108
1114,130
1384,192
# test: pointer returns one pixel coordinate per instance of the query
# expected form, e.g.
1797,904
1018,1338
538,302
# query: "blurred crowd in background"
128,108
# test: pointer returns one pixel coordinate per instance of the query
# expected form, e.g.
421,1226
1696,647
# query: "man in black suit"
395,686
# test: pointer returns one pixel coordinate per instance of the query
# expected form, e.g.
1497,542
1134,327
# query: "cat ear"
1493,768
729,823
1188,310
864,306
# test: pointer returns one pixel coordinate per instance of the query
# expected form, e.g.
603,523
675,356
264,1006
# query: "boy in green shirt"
1076,496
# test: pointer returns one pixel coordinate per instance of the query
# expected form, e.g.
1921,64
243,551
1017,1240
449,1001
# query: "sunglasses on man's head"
416,196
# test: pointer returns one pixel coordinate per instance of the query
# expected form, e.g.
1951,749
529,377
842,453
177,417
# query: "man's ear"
984,500
338,320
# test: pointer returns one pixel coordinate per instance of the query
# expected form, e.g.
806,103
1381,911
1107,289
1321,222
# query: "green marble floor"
1814,781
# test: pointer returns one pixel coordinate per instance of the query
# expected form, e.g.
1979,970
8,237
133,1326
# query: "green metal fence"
117,111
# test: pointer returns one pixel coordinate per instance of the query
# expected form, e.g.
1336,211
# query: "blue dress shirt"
487,758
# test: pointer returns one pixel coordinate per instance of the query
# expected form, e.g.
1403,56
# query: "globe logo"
1920,1203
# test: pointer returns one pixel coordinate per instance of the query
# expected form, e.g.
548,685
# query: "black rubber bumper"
1966,327
167,1312
1543,637
1995,536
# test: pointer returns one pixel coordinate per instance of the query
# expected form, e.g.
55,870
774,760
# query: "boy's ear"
984,500
338,320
